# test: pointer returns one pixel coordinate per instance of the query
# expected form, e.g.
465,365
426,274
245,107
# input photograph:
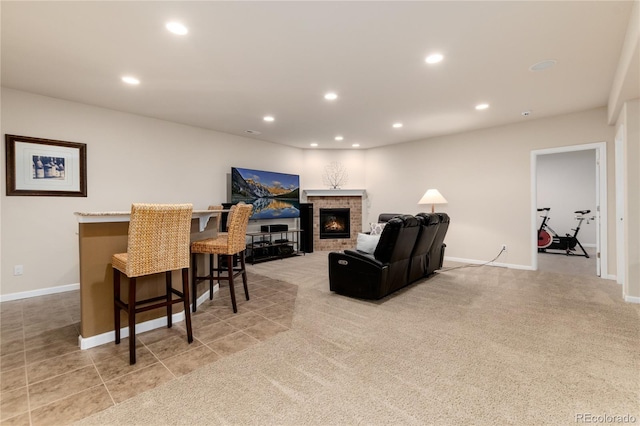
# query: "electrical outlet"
18,270
504,247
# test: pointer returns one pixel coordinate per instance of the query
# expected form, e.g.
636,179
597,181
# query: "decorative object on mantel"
335,175
432,196
36,166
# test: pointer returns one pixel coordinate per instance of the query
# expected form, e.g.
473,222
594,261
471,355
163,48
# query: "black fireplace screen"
335,223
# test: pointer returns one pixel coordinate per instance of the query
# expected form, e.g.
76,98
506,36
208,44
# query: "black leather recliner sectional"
430,224
436,252
410,248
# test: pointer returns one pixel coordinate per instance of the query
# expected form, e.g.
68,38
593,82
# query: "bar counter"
103,234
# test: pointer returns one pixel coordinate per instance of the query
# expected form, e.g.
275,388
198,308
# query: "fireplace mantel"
335,192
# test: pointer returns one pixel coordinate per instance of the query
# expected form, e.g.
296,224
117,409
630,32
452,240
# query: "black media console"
272,245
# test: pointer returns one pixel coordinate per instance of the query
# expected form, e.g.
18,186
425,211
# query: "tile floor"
46,379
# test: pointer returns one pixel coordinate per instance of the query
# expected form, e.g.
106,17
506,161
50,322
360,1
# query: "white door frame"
621,260
601,201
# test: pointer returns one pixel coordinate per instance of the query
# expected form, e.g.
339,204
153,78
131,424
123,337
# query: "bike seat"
583,211
545,209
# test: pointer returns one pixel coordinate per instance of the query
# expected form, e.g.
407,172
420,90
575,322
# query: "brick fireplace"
340,199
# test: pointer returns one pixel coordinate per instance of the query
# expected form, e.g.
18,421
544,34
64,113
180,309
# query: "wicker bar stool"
217,207
194,292
227,223
228,244
158,242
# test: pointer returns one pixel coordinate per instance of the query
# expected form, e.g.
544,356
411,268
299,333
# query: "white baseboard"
205,296
110,336
40,292
631,299
480,262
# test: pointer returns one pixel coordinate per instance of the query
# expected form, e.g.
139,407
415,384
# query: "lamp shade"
432,196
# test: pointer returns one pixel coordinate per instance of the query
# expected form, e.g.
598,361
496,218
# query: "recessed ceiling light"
339,138
177,28
313,144
355,145
268,118
130,80
480,107
397,125
540,66
526,113
434,58
331,96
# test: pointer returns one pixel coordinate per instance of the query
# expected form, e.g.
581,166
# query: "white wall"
566,183
485,177
632,286
315,161
130,159
629,117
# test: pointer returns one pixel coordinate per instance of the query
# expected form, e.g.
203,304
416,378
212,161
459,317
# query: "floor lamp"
433,197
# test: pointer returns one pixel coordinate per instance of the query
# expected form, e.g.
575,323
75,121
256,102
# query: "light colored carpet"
572,265
477,346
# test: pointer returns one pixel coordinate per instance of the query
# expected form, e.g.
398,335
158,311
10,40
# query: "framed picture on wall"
45,167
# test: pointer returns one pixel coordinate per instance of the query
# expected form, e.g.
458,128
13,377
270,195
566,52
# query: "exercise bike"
548,239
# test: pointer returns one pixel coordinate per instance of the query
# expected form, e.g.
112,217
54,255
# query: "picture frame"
45,167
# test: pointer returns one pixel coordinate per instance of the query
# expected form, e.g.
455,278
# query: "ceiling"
241,61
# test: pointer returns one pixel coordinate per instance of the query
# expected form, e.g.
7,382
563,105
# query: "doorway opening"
548,173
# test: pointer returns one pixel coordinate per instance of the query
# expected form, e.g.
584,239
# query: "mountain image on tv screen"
273,195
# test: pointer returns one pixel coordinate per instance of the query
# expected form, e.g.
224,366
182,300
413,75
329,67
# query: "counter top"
124,216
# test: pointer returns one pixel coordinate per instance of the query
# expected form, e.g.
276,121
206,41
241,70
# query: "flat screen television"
273,195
